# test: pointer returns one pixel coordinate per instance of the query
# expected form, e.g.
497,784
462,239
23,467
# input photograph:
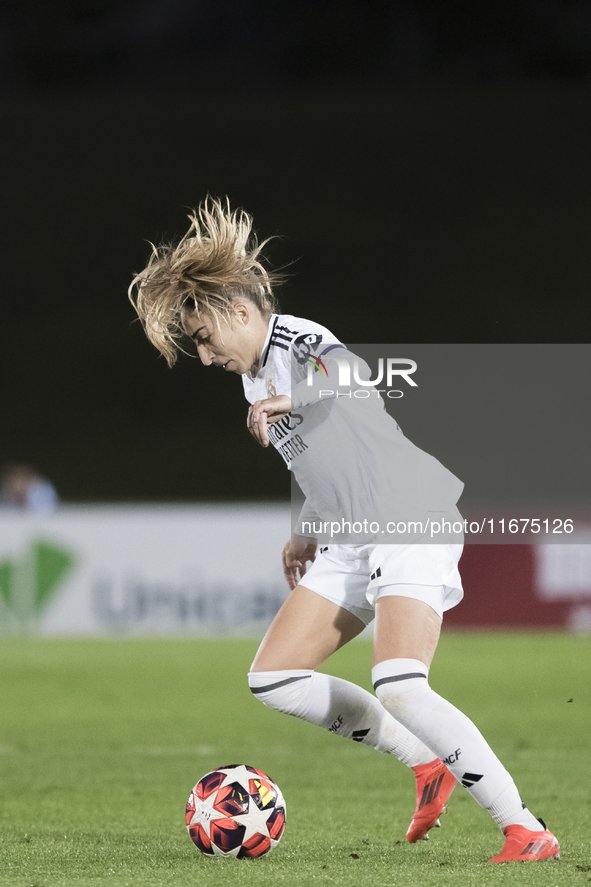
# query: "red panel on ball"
232,800
190,809
262,792
255,846
276,823
200,839
209,784
227,834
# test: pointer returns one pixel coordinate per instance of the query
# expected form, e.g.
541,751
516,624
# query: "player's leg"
305,632
406,635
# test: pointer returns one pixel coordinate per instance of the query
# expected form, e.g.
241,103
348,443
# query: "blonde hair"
217,261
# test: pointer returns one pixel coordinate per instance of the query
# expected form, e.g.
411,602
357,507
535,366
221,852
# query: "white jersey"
290,342
348,456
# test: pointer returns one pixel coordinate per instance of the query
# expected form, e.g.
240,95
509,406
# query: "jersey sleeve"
296,344
335,373
305,523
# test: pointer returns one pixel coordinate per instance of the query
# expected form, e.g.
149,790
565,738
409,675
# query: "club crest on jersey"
271,390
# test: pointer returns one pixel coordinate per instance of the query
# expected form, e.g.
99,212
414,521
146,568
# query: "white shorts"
356,576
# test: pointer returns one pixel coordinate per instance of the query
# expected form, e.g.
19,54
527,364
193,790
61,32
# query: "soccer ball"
235,811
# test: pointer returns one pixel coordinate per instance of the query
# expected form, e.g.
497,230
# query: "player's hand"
295,557
265,412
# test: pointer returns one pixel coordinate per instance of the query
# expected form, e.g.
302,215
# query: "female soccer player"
347,454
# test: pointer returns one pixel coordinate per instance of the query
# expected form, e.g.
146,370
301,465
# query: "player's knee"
397,682
282,690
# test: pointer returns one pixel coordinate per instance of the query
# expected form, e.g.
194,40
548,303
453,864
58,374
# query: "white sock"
504,811
403,689
341,707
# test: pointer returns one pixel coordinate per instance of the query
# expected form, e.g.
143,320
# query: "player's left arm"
265,412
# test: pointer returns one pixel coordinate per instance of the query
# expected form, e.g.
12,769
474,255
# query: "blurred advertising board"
216,569
127,570
525,586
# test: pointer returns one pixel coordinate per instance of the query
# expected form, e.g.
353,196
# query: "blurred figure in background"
23,487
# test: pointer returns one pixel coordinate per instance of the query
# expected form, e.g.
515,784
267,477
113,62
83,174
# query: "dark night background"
427,165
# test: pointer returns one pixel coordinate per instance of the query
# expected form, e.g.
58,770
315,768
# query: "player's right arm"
265,412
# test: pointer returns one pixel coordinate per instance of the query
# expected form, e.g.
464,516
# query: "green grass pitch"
101,742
